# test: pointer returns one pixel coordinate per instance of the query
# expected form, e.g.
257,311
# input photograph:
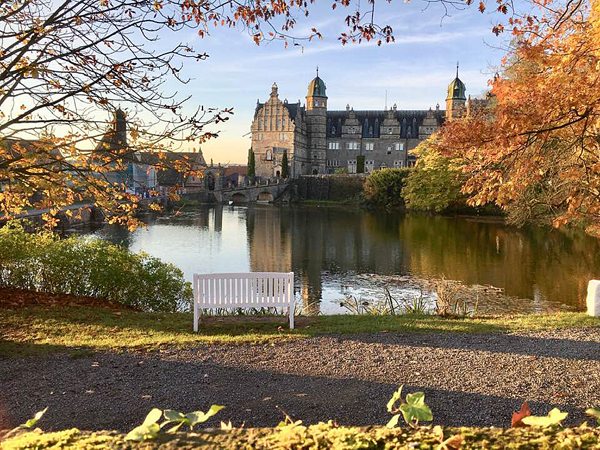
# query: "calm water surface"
334,252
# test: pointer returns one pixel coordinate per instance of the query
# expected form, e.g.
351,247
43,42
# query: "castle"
318,141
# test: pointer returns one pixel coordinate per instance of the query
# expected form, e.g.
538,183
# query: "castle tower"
316,118
455,101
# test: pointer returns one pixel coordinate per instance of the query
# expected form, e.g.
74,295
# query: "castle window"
352,130
370,131
352,145
390,130
334,146
369,146
399,146
269,155
389,149
352,166
282,136
332,130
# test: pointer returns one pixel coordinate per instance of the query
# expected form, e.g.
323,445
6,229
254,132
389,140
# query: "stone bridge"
250,194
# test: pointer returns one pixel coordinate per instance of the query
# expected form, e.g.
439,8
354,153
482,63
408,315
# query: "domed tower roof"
457,89
316,88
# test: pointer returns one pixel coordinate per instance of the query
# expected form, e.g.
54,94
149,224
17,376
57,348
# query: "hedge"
43,262
324,436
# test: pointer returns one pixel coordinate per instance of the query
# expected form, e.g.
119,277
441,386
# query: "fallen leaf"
454,442
517,418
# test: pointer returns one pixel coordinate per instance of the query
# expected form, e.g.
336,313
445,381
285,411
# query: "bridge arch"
239,198
265,197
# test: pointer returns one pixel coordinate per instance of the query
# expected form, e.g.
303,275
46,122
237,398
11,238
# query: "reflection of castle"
317,140
310,241
269,240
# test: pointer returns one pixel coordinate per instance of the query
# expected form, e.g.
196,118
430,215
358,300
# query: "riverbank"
82,330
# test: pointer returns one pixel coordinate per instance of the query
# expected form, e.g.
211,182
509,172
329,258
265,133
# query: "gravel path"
468,380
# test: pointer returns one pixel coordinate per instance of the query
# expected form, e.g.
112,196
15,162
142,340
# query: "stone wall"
330,187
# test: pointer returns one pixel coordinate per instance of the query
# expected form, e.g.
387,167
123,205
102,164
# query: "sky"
415,70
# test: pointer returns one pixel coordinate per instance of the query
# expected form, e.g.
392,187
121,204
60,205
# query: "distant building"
234,175
320,141
146,171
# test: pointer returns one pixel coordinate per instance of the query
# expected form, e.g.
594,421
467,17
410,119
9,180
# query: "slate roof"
372,119
231,170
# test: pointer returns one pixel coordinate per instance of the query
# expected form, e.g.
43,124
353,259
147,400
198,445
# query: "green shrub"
89,268
383,188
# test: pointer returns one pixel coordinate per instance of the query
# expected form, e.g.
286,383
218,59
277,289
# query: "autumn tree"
537,149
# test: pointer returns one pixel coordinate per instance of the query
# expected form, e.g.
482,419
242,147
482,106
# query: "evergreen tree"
285,168
251,164
360,164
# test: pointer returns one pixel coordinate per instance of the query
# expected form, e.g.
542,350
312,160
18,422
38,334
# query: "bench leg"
291,311
196,316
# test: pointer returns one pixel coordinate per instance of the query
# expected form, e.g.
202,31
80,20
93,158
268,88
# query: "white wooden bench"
243,290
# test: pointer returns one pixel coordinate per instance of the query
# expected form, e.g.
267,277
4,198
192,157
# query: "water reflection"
335,251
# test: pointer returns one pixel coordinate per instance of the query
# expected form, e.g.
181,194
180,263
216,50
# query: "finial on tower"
456,69
317,70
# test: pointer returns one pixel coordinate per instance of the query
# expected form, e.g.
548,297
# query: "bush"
89,268
383,187
435,183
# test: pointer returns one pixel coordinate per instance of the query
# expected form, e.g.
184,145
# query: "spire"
456,69
317,71
274,90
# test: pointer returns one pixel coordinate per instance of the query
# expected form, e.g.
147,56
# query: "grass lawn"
81,330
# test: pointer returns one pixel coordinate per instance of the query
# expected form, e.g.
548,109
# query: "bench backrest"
247,290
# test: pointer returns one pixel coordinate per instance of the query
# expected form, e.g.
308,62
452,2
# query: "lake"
335,252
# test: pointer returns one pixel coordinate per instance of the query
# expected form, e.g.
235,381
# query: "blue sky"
415,70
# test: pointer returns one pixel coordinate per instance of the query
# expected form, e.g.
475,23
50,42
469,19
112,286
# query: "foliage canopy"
537,148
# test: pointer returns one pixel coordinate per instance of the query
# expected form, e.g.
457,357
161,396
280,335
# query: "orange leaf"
519,416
